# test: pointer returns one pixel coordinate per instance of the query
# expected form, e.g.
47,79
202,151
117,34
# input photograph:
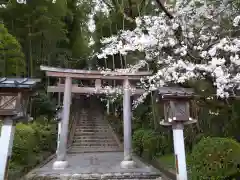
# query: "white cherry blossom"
195,44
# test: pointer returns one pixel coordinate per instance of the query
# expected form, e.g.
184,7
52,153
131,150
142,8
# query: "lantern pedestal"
60,165
127,164
179,146
6,141
179,151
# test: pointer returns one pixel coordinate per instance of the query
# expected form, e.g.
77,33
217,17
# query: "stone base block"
60,165
128,164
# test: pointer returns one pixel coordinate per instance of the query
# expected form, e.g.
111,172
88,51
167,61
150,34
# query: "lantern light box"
14,96
176,105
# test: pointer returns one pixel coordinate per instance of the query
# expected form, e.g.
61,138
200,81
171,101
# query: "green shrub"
165,143
138,141
46,136
15,171
24,145
150,144
32,143
147,143
214,158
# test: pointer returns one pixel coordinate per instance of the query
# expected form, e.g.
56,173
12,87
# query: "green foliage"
32,144
138,141
43,105
24,144
148,143
11,56
214,158
45,134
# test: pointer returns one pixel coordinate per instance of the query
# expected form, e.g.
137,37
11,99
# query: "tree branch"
160,4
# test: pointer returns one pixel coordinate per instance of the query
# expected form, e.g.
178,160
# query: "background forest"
67,33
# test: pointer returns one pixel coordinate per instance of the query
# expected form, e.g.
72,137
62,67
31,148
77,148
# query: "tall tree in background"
11,56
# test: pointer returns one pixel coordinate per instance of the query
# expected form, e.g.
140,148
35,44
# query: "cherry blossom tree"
200,41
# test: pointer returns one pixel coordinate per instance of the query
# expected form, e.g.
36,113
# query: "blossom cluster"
196,44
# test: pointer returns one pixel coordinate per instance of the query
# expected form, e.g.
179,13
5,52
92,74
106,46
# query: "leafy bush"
43,105
46,136
148,143
214,158
24,144
32,144
138,141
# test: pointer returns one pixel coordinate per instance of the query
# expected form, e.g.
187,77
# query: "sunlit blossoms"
201,41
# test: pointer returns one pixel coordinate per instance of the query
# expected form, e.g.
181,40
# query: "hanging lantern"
176,105
14,96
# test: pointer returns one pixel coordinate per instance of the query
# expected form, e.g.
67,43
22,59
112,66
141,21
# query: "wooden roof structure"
17,84
90,75
175,92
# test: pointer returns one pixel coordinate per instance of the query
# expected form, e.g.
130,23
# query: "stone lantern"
177,114
14,97
176,106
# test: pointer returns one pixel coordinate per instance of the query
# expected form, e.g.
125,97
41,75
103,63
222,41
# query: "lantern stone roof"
178,91
23,83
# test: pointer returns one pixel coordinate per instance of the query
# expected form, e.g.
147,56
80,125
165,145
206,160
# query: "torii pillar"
127,162
61,162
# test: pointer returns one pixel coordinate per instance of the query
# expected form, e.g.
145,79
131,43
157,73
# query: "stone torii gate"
68,88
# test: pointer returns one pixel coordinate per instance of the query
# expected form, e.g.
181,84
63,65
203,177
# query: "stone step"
94,140
94,145
91,121
92,137
92,134
92,126
91,130
109,141
75,144
88,149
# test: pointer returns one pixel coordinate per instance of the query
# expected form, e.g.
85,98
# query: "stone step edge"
110,141
91,133
92,130
81,138
94,141
94,149
86,127
110,176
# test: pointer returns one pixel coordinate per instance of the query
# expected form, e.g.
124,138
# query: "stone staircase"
93,134
94,153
